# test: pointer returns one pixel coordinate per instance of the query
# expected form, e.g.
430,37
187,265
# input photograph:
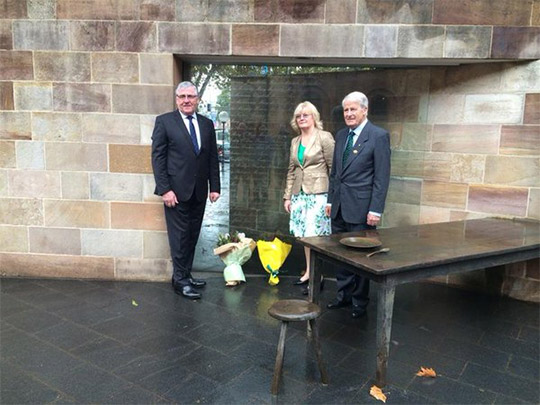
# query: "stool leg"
315,334
279,358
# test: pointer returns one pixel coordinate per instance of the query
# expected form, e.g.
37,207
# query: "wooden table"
421,251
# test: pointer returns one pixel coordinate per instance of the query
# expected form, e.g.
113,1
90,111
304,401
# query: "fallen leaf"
377,393
134,303
426,372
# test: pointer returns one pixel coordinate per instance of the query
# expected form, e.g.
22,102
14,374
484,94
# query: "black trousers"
183,228
350,286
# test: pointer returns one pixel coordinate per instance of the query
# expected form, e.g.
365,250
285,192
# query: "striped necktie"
348,147
193,134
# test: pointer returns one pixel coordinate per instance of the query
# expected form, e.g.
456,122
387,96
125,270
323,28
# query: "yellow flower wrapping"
272,255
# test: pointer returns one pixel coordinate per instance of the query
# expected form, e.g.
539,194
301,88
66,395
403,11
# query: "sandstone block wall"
463,145
81,82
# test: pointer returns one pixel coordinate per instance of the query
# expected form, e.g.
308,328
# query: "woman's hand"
287,205
328,210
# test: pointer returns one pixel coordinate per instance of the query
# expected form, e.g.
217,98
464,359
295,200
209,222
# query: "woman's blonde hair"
306,105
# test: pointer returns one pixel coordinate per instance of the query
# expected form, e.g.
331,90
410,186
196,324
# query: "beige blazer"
312,176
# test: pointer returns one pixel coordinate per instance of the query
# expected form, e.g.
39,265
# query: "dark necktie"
348,147
193,134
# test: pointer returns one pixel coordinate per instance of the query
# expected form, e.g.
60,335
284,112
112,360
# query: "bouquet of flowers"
273,254
235,250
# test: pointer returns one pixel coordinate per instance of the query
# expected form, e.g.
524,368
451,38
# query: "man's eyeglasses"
298,116
188,96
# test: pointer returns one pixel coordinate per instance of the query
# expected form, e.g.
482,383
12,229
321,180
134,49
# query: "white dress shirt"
195,124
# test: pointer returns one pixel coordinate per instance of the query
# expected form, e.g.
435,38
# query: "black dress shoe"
358,311
335,304
300,282
188,292
197,282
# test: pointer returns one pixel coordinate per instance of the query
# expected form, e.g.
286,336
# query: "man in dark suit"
185,162
358,185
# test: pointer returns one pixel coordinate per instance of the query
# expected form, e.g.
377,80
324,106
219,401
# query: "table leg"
385,307
314,284
314,277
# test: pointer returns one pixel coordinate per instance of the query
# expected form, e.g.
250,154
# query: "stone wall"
82,80
465,140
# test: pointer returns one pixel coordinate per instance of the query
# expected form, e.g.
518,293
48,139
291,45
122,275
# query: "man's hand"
169,199
214,197
287,205
373,220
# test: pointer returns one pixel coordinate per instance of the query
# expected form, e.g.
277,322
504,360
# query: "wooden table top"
417,246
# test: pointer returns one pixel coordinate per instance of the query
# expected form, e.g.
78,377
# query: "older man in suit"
185,163
358,185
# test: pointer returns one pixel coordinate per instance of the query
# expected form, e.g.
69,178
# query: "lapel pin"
355,151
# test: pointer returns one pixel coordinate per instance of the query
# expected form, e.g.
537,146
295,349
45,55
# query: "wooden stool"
293,311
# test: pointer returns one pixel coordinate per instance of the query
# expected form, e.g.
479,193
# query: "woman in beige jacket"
308,177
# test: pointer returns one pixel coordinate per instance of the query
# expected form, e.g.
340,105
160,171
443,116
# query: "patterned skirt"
307,215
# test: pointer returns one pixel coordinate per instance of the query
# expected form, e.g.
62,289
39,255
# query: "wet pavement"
216,221
75,341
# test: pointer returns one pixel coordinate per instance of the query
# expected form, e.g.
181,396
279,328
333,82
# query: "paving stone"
506,344
106,353
192,360
33,320
445,390
18,387
81,383
525,367
67,335
476,353
500,382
